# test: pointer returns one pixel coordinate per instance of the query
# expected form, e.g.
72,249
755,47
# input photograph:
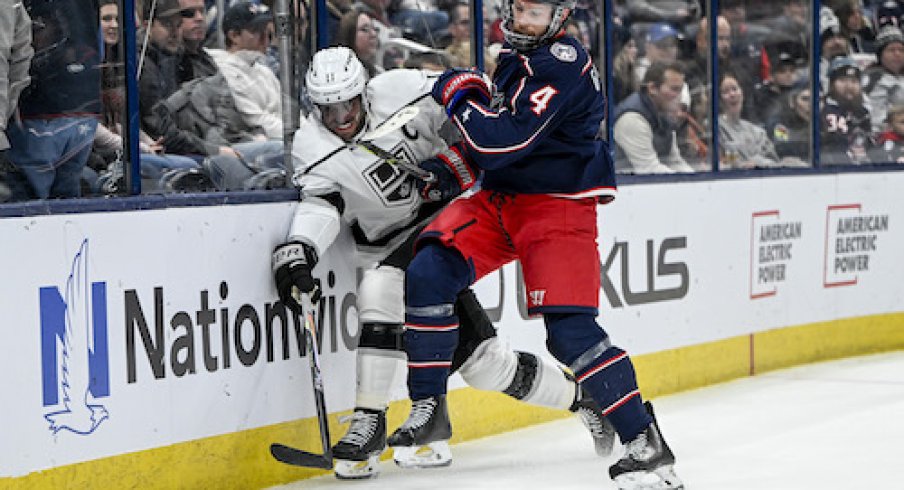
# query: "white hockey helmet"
335,75
562,9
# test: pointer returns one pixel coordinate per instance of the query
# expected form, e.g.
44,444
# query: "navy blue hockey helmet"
562,9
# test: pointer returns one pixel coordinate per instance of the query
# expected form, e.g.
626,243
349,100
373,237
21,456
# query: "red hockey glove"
454,175
455,86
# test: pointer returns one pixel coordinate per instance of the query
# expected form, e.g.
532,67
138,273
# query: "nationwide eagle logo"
74,351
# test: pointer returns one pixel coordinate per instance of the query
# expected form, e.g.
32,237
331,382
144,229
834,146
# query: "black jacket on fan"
65,69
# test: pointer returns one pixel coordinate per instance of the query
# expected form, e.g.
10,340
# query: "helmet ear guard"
562,10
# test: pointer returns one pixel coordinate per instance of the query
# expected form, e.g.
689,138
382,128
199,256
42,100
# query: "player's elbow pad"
316,222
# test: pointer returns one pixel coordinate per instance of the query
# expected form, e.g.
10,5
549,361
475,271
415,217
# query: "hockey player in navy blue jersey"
544,170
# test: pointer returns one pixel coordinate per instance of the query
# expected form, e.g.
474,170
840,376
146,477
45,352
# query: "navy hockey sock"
430,343
432,283
604,370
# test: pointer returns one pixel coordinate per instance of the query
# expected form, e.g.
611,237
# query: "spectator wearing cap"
890,143
247,28
785,70
104,165
884,81
644,131
195,61
159,77
660,46
51,138
255,90
845,129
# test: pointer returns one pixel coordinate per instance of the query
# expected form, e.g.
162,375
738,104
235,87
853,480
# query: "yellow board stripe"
242,460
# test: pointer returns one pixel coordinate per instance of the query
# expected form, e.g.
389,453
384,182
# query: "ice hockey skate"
422,440
601,430
357,454
648,462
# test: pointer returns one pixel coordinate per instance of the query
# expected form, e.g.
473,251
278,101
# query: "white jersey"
381,202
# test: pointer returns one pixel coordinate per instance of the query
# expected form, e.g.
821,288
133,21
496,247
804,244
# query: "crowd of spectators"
210,105
764,96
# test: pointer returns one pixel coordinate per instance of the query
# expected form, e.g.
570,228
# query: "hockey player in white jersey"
344,184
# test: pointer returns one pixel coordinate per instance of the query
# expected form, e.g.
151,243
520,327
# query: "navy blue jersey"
541,133
845,133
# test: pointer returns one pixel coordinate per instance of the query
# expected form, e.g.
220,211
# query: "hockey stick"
392,123
291,455
391,159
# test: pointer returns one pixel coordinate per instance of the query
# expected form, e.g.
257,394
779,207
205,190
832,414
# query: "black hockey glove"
453,173
292,263
456,85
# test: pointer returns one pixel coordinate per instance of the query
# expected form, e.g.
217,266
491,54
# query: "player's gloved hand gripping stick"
291,455
292,263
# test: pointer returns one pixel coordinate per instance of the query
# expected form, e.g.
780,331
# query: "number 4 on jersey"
541,98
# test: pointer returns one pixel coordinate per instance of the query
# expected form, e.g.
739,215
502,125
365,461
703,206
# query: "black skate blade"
297,457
